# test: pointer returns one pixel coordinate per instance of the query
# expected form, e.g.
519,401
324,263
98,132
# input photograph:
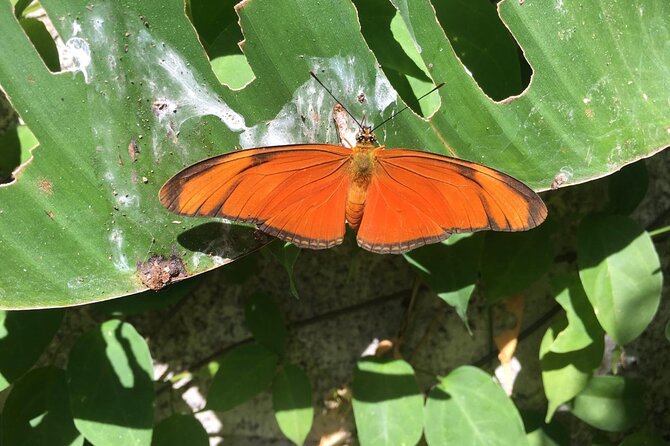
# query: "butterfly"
396,199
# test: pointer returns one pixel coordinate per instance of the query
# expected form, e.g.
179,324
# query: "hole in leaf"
485,46
10,144
40,30
217,25
388,37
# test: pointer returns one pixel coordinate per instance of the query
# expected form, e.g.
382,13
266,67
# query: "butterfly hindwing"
296,193
416,198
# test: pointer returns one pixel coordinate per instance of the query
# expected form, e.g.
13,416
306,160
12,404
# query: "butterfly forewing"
296,193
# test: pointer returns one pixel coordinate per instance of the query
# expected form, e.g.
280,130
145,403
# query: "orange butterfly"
397,199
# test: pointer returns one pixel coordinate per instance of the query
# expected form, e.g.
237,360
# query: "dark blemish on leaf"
158,271
361,98
45,186
50,214
125,48
161,107
144,21
133,149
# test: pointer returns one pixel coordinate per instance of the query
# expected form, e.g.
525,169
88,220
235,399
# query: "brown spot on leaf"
133,149
158,271
45,186
361,98
50,214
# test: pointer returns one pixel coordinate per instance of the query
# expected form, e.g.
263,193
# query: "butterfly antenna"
336,100
441,84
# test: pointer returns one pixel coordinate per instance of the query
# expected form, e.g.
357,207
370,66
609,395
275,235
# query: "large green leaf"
83,213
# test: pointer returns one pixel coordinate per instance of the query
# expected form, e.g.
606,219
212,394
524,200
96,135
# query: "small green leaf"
179,430
611,403
643,438
450,268
37,412
540,433
527,256
387,402
243,373
111,390
286,254
23,337
265,322
564,375
627,188
583,328
621,274
468,407
292,403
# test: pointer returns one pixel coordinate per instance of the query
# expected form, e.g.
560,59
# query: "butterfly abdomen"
363,164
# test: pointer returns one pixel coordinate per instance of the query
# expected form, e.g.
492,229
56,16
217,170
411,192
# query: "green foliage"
106,146
611,403
527,255
387,402
287,255
110,378
23,337
179,430
37,411
466,391
84,211
450,269
292,403
265,322
243,373
621,274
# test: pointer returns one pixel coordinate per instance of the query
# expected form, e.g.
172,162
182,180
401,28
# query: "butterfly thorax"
363,165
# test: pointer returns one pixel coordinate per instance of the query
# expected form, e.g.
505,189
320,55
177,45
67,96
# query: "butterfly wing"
416,198
297,193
